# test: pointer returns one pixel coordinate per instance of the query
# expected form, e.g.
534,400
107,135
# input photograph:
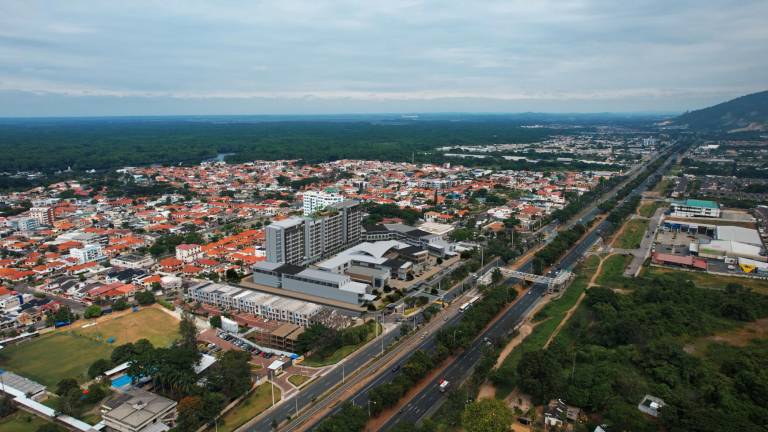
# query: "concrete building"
228,297
695,208
43,215
375,263
88,253
189,252
304,240
139,411
318,283
23,223
133,261
314,201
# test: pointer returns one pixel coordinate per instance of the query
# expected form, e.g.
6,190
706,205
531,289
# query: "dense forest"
83,144
619,347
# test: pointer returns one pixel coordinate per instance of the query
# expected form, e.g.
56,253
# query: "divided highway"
309,400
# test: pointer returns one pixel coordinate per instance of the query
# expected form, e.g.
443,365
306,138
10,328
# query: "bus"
469,304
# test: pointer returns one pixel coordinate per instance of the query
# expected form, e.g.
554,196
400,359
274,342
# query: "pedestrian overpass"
553,283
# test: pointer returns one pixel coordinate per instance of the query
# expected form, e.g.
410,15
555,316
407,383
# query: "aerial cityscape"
406,216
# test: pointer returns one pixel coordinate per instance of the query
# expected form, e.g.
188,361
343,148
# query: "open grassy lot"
549,318
336,356
159,327
68,353
298,380
21,421
253,405
648,209
633,233
706,280
612,273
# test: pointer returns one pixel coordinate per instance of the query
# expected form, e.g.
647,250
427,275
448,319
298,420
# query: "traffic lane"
324,383
455,372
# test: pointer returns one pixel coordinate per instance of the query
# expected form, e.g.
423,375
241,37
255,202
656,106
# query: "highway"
430,398
309,401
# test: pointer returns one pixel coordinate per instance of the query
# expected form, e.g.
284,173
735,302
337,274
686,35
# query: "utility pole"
273,392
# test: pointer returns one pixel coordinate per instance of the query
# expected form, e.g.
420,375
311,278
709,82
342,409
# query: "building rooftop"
140,407
698,203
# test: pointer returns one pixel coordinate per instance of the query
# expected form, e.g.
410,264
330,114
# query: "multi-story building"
256,303
304,240
88,253
695,208
23,223
317,283
43,215
315,201
189,252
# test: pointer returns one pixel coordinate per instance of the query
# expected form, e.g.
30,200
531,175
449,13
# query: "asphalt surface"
430,398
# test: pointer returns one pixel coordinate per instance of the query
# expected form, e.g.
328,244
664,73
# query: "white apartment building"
23,223
315,201
88,253
189,252
267,306
43,215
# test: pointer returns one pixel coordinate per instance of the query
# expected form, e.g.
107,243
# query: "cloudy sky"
290,56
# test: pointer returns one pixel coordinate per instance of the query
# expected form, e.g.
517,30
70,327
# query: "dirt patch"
739,337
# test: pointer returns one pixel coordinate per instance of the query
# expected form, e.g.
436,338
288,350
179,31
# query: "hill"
743,114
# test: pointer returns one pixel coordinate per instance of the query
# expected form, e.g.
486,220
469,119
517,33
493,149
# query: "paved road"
430,398
462,366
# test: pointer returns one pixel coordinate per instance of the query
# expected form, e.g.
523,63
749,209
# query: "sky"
102,58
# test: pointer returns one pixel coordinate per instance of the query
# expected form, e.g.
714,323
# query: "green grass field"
706,280
159,327
612,273
21,421
647,210
298,380
253,405
549,317
68,353
633,233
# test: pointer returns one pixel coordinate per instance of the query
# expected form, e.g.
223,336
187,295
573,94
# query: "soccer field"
69,353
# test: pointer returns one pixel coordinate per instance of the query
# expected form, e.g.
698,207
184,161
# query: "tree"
122,353
95,393
65,385
487,415
6,406
92,311
99,367
215,321
188,332
496,276
145,298
120,304
539,375
188,409
232,374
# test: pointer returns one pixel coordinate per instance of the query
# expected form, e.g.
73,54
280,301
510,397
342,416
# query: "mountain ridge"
748,113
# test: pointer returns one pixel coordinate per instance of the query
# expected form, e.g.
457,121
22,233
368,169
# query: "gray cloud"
399,55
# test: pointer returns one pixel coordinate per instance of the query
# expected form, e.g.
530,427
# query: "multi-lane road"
308,401
429,399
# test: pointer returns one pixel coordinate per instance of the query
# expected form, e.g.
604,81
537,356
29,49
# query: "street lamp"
369,406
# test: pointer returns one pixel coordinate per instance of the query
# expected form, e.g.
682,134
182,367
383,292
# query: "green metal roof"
698,203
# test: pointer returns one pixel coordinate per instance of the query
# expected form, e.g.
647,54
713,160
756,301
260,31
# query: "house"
189,252
139,411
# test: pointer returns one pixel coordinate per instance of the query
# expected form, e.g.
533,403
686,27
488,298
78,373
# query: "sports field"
67,353
159,327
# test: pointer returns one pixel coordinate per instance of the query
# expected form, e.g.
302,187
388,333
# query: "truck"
444,383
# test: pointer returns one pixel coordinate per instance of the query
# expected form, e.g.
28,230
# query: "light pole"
369,407
342,373
296,399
